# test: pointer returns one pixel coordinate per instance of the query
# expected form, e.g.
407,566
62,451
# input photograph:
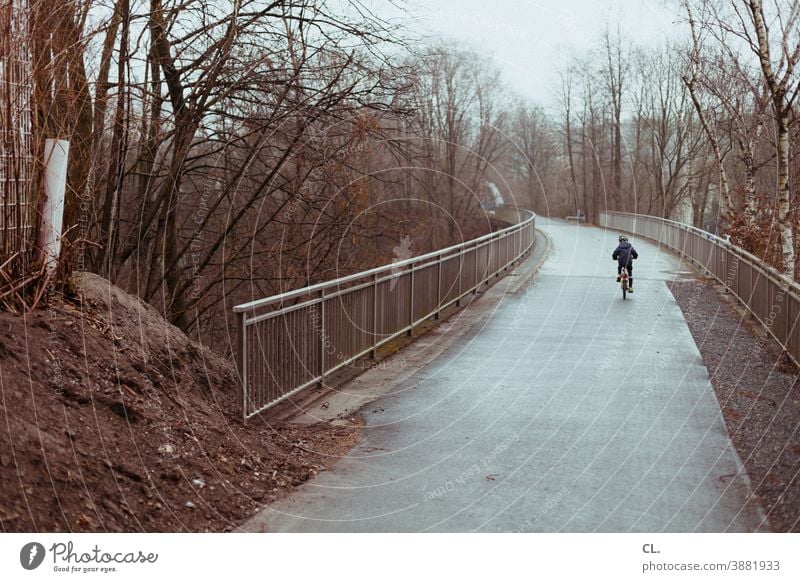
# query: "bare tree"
783,85
691,81
460,124
615,80
743,91
534,153
670,135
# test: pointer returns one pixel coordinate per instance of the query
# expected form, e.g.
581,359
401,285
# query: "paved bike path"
568,409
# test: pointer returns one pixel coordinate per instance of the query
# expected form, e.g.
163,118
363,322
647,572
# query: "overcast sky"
530,39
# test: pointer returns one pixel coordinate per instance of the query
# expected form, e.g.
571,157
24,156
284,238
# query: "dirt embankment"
113,420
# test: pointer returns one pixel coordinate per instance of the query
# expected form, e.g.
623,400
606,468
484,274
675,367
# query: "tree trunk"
784,211
117,159
618,152
724,187
783,107
80,152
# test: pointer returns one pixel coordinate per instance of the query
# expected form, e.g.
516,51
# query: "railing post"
460,274
411,303
374,350
496,248
241,360
478,280
438,288
791,347
322,337
506,255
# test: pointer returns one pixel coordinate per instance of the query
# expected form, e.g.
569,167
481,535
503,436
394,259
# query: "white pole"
56,153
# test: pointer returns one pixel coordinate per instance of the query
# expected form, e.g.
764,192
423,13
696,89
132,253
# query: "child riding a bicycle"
624,255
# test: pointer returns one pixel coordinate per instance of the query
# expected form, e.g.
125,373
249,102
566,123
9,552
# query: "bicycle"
623,276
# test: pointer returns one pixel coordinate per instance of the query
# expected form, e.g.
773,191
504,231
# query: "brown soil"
113,420
758,390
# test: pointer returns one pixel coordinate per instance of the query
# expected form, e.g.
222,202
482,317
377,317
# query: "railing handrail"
768,270
317,287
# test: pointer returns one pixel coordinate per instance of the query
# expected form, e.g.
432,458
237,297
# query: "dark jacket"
625,253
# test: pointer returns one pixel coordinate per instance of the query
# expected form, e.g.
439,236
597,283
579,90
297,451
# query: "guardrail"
291,341
771,297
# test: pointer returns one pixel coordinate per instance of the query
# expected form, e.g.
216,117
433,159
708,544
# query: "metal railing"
291,341
772,298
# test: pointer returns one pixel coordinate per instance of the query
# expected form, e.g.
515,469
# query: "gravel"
757,388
